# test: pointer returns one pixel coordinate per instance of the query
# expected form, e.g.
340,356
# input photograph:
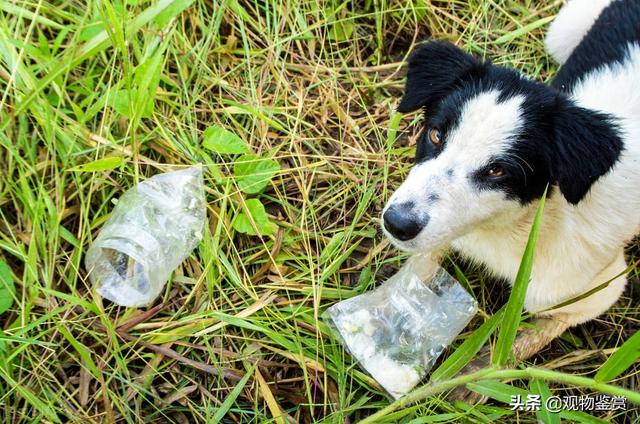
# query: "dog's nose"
401,222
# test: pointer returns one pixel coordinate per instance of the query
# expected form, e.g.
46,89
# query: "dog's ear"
435,68
585,146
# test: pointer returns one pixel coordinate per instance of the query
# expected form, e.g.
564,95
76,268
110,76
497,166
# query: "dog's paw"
461,393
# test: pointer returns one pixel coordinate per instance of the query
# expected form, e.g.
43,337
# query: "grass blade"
468,349
104,164
510,36
7,287
623,358
20,12
503,392
270,400
31,398
513,311
230,400
480,381
543,414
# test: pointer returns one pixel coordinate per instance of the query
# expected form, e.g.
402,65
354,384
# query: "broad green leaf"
468,349
91,29
104,164
513,311
253,173
545,416
621,360
341,31
173,10
123,102
222,141
120,102
7,288
222,410
147,78
256,211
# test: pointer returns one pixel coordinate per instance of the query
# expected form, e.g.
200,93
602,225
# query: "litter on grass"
153,228
397,331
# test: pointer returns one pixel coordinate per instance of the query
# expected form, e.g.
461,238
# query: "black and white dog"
493,140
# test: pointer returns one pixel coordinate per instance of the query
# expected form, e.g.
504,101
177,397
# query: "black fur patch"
585,146
434,70
605,43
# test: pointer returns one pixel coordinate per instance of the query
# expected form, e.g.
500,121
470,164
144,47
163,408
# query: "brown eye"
434,136
495,171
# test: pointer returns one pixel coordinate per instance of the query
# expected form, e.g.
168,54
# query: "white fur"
571,25
579,246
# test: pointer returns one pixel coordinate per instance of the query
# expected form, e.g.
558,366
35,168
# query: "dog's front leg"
528,342
545,328
554,322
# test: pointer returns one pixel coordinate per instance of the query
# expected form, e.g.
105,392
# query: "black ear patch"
435,68
585,146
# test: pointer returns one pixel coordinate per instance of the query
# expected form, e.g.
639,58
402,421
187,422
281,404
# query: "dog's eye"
495,171
434,136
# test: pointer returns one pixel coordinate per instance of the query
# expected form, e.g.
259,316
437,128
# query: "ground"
98,95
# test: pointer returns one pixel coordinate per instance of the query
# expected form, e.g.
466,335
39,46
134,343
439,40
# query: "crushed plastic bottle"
397,331
153,228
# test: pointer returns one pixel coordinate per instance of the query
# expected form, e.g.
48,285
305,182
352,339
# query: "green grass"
97,95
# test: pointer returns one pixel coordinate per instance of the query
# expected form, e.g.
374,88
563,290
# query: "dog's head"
492,141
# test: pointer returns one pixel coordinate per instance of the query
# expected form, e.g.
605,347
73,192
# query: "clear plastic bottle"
153,228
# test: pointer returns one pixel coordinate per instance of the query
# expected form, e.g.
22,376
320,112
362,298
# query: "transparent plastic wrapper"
153,228
397,331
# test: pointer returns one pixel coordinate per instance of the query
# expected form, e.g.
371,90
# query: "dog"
493,140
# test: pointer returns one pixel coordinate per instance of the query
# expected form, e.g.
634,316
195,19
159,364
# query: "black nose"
401,222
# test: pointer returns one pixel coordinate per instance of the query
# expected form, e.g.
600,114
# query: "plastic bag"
397,331
153,228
